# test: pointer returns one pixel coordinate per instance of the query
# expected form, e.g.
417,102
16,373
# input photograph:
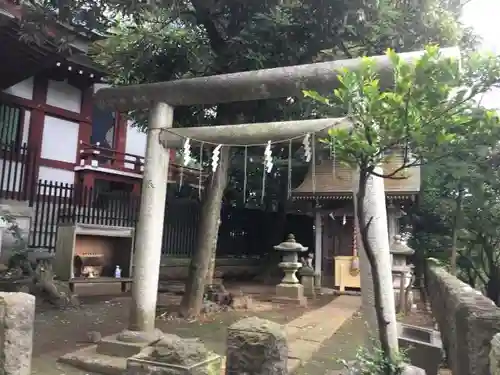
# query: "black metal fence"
18,169
54,203
242,234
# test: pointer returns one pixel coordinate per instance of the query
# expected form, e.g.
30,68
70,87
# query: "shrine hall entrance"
337,240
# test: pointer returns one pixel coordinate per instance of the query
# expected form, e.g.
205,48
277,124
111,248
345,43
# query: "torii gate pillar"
147,254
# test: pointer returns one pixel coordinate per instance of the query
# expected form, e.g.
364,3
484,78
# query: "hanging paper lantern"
307,147
215,157
186,155
268,157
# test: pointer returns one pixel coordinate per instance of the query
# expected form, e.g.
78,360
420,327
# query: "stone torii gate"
162,98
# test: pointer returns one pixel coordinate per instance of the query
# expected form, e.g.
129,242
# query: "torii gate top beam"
245,86
251,134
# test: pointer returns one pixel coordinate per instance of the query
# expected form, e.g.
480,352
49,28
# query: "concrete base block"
424,347
413,370
290,294
89,360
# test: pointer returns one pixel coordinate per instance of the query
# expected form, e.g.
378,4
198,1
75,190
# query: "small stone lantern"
400,252
289,290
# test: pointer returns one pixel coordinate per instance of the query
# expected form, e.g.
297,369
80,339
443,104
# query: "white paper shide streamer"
307,147
268,157
186,155
215,157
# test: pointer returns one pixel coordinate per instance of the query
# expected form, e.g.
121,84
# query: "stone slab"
290,301
17,314
88,359
302,349
319,333
110,346
293,364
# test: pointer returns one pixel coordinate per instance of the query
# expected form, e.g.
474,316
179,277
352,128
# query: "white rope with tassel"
200,177
245,171
355,259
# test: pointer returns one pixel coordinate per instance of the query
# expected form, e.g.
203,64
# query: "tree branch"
471,264
202,14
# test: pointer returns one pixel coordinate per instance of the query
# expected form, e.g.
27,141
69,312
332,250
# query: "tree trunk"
456,227
209,224
213,254
493,287
376,276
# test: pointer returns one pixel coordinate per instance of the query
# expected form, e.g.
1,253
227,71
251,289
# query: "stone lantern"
400,252
289,290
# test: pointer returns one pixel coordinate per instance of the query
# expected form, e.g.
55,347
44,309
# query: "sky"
482,15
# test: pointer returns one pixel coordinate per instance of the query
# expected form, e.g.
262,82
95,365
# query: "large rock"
256,346
173,355
495,355
17,314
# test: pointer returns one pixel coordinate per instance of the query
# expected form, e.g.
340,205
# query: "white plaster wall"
55,175
60,139
135,143
63,95
26,126
23,89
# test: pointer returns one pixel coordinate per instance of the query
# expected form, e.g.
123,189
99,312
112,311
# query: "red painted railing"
98,156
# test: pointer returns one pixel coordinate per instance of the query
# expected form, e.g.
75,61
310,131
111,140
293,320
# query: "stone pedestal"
307,281
256,346
317,282
290,294
174,355
17,314
404,273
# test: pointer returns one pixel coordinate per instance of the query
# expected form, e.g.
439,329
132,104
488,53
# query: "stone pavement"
308,332
306,335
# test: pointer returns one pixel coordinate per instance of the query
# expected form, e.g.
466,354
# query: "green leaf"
315,96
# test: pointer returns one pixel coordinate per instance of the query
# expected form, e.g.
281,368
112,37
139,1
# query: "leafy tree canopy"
431,104
196,38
